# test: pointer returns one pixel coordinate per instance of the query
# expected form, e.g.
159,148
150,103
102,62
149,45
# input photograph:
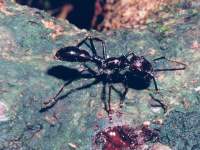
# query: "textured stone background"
29,38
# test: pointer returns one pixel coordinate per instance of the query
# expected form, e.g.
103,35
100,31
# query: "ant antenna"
170,69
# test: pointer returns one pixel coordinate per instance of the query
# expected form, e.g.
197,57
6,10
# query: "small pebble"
74,146
146,123
3,111
156,109
197,89
159,146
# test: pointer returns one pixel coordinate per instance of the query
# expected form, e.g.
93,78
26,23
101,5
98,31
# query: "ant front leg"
151,76
160,103
155,84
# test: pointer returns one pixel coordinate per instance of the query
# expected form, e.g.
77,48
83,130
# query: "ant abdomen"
73,54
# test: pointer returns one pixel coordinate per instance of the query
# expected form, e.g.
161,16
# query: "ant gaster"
110,70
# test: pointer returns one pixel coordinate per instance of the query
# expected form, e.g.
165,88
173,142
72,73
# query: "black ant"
123,69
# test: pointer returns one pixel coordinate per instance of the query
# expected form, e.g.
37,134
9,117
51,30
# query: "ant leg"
103,97
102,44
129,53
83,42
160,104
91,46
170,69
90,70
109,98
123,95
79,88
52,101
155,84
55,99
125,91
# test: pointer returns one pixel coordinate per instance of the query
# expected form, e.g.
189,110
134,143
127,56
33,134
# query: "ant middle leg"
122,95
109,98
103,97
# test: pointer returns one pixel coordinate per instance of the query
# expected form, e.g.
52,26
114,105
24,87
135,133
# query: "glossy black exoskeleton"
123,69
73,54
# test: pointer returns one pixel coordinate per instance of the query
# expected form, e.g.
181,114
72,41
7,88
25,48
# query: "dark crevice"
81,13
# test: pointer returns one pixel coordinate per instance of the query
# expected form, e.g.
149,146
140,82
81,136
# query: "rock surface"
28,41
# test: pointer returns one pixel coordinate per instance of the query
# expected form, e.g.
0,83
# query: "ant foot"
48,104
157,92
110,112
121,105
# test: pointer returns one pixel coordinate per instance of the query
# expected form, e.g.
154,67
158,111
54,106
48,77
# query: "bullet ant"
123,69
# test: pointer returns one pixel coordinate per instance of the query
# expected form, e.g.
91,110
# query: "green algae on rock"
181,130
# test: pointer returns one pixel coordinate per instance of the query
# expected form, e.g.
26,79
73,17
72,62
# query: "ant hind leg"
52,101
90,46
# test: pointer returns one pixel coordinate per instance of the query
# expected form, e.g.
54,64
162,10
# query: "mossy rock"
28,41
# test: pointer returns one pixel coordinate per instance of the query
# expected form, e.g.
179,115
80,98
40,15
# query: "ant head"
141,64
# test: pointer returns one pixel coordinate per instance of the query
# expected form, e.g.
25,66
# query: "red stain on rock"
124,137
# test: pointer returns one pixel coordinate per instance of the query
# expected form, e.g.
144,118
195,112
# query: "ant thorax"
113,63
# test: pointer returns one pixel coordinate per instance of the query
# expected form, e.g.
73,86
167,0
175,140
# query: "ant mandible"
110,70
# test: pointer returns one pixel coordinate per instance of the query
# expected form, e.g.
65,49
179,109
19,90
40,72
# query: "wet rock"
181,129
